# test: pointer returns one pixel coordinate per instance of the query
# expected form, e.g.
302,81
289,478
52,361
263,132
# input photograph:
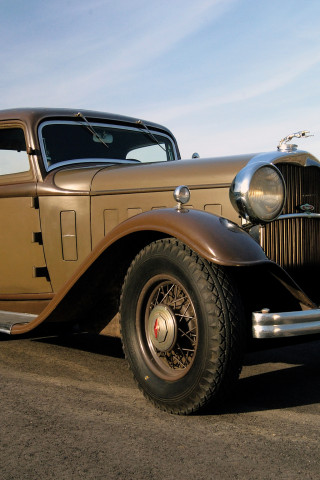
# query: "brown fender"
212,237
102,273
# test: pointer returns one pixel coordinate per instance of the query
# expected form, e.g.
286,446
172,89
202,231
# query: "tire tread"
221,302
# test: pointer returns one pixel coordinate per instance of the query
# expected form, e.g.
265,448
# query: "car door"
22,262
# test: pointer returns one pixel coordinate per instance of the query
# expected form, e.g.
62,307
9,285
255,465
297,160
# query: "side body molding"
95,287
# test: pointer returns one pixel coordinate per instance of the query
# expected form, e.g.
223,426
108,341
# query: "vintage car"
105,228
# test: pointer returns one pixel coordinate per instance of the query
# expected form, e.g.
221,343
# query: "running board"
8,319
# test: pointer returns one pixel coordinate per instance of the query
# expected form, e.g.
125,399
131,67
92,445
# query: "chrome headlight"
258,192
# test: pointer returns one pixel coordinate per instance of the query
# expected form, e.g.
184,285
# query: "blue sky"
226,76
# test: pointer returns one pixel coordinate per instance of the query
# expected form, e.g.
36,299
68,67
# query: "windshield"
73,142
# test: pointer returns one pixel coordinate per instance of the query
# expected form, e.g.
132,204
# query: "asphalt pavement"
71,410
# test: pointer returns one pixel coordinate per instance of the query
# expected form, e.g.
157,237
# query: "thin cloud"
209,99
82,59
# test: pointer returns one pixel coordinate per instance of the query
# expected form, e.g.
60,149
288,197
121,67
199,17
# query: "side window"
13,151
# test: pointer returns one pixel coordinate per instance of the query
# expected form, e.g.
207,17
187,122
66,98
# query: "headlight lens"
258,192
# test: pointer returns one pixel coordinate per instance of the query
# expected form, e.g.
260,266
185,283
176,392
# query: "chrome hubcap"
162,328
167,327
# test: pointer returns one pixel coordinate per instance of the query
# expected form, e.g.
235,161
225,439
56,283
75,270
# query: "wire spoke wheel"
182,327
167,327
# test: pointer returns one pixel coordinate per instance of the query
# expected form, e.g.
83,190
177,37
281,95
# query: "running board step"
8,319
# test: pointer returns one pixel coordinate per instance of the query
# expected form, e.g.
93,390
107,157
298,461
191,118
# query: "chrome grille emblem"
307,208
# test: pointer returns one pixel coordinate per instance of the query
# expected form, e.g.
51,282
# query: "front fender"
214,238
101,274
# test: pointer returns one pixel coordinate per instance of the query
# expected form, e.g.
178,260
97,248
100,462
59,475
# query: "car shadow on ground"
281,374
276,374
97,344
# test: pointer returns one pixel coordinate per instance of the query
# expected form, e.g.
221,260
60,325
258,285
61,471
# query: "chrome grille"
303,186
294,243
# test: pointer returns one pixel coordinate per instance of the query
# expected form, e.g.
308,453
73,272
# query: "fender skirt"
101,274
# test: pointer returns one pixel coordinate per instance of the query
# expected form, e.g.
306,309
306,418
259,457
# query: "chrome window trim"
94,124
94,161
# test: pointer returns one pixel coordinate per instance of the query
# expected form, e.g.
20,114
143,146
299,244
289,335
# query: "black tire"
182,327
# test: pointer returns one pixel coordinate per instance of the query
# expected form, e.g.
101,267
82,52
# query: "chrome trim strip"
285,324
298,215
299,157
169,188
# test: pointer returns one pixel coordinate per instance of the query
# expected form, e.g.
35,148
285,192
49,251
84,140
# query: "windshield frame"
103,161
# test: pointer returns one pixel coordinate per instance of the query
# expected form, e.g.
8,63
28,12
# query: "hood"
195,173
163,176
77,179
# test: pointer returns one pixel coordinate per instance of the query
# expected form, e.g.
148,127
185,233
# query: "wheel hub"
162,328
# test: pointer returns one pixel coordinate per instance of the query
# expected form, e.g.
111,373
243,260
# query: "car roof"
36,115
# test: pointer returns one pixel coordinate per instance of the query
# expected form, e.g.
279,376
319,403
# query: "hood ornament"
283,146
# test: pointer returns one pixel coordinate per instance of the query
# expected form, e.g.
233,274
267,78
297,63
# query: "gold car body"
68,234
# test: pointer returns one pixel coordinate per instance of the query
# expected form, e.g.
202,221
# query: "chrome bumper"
285,324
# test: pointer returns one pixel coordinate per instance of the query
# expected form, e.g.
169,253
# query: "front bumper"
285,324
